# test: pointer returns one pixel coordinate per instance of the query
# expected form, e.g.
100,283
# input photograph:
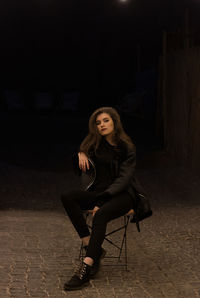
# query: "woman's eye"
106,120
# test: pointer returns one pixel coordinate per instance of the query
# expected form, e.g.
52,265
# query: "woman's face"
105,124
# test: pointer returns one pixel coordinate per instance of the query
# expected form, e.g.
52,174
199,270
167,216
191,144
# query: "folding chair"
123,242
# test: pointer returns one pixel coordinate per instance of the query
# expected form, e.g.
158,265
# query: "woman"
107,154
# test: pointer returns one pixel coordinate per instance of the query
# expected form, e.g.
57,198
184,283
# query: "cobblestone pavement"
39,247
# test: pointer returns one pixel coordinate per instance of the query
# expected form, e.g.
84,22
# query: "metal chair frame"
120,248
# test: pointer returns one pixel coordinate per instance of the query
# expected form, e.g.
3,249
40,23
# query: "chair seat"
130,212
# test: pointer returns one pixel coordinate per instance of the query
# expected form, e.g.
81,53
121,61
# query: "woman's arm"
80,162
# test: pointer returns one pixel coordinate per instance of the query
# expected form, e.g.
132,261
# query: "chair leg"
126,257
81,252
124,241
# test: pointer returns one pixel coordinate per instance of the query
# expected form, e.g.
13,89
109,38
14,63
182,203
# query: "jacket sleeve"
126,172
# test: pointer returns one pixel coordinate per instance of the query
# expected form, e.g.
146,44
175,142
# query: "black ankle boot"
95,267
80,278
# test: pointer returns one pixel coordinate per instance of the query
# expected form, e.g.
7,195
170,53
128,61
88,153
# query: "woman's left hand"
95,210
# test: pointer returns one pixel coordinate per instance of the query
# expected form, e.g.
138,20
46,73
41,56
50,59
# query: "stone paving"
39,247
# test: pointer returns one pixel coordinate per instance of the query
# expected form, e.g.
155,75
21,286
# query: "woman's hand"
95,210
83,161
131,212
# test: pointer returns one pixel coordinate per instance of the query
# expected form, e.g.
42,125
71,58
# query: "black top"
106,153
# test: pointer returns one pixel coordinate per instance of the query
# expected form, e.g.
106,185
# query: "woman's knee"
100,217
67,198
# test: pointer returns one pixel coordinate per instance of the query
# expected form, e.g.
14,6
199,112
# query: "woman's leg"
118,206
74,203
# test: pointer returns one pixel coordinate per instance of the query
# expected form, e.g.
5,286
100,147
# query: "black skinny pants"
76,201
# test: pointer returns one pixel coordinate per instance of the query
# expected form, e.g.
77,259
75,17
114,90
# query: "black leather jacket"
124,173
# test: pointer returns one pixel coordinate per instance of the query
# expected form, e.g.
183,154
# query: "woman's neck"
109,139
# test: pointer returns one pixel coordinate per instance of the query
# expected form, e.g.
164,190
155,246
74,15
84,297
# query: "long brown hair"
93,139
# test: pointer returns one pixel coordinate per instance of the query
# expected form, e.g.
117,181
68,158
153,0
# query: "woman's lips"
103,129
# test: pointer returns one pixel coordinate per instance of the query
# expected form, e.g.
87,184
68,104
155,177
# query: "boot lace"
80,270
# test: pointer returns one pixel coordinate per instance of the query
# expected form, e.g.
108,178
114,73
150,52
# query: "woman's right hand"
83,161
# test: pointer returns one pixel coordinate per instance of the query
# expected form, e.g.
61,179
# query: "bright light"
123,1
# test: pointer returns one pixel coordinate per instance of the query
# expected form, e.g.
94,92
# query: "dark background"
62,59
